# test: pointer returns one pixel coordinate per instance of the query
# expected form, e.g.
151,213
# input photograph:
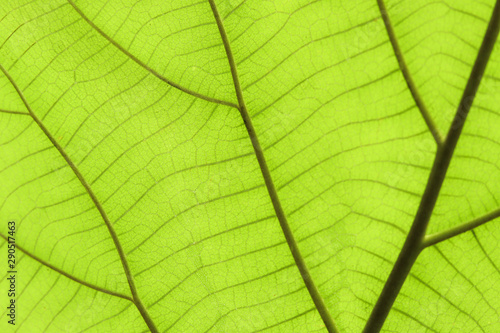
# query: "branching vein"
97,203
145,66
292,243
69,276
415,240
438,237
14,112
406,74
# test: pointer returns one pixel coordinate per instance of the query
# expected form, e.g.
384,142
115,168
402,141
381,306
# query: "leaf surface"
245,166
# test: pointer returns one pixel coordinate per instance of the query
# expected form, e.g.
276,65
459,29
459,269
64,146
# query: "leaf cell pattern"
162,158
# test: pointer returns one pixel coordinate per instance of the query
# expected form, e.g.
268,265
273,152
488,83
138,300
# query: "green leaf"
247,166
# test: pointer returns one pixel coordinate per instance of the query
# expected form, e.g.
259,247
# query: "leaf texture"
140,193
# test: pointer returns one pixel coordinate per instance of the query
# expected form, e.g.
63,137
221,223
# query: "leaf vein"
145,66
407,76
76,171
273,194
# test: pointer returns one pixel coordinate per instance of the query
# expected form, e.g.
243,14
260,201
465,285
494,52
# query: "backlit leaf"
247,166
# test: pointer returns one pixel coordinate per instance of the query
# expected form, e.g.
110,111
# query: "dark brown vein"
414,242
69,276
404,313
422,282
145,66
137,301
407,76
280,214
14,112
438,237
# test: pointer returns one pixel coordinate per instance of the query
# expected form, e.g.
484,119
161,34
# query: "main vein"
407,76
414,242
292,243
137,301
